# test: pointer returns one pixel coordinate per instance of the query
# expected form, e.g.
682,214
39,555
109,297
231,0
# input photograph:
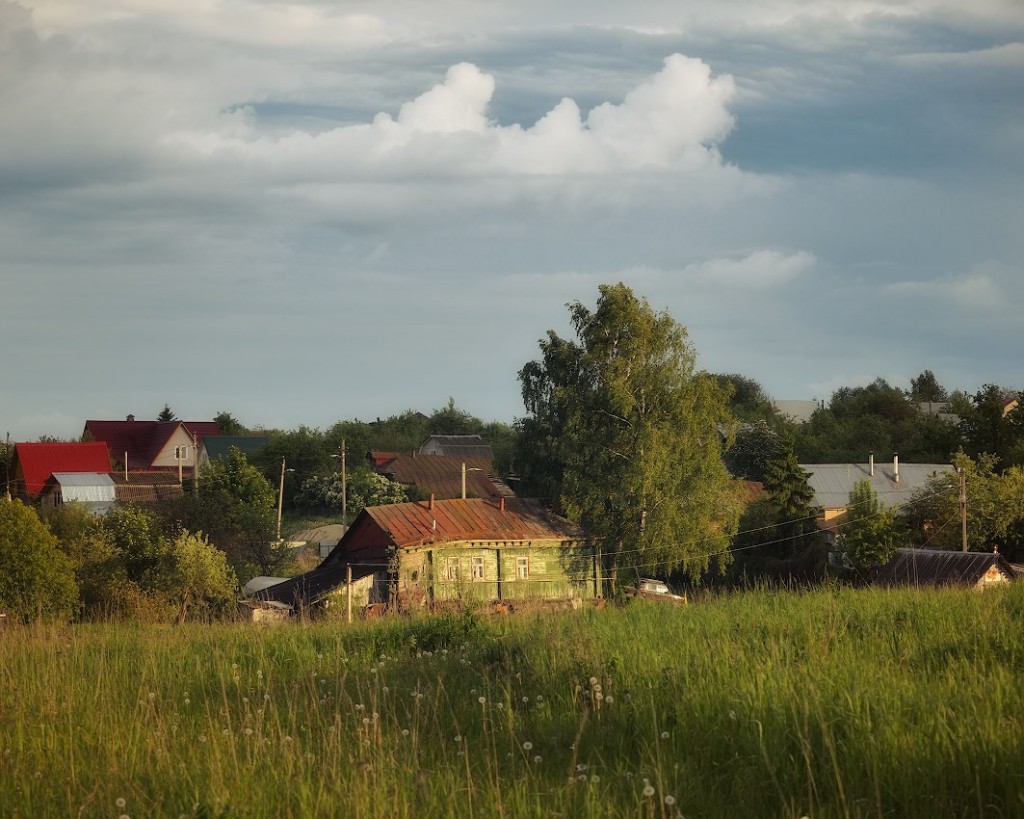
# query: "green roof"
218,446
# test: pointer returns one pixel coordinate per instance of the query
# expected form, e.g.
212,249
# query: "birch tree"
621,434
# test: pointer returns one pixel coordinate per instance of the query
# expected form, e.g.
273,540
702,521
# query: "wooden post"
598,579
348,581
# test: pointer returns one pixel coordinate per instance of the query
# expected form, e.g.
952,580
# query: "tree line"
621,433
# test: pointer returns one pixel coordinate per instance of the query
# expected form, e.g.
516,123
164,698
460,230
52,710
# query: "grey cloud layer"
387,205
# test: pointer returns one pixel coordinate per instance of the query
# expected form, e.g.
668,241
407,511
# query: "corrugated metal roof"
932,567
442,475
457,446
832,483
413,524
84,479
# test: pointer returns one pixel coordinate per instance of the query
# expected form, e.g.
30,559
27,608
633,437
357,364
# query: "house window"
522,568
452,570
478,568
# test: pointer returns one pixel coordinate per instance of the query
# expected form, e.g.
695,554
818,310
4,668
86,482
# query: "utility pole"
963,507
280,502
195,463
7,466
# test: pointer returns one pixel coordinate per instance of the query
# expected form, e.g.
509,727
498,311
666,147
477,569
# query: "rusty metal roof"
442,475
416,524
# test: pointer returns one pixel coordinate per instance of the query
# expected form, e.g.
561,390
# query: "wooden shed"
934,567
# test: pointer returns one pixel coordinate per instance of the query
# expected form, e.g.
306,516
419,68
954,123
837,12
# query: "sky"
302,212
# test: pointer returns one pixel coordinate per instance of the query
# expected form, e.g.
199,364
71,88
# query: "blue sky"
306,211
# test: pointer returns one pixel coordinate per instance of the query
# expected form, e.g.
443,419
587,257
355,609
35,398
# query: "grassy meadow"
832,702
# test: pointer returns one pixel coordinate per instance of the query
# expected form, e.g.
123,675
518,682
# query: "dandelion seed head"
664,734
248,732
120,802
481,700
648,790
458,737
670,800
609,700
593,681
595,778
527,746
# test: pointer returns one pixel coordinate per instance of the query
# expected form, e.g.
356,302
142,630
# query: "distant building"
894,484
439,475
216,447
934,567
799,412
457,446
151,445
94,491
34,464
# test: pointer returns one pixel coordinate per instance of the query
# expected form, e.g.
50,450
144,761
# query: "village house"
894,484
457,446
151,445
34,464
94,491
421,554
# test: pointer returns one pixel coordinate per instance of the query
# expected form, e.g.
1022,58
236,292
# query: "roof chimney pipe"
871,464
431,504
501,503
130,418
896,467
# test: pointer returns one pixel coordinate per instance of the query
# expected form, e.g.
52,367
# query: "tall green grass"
825,703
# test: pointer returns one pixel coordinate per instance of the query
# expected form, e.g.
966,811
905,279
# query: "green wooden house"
473,550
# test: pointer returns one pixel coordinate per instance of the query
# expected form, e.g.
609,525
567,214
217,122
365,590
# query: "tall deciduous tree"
624,433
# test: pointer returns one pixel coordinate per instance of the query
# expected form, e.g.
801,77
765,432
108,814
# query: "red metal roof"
143,440
414,524
35,463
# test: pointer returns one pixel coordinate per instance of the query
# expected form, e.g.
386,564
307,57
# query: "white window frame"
452,569
478,568
522,568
